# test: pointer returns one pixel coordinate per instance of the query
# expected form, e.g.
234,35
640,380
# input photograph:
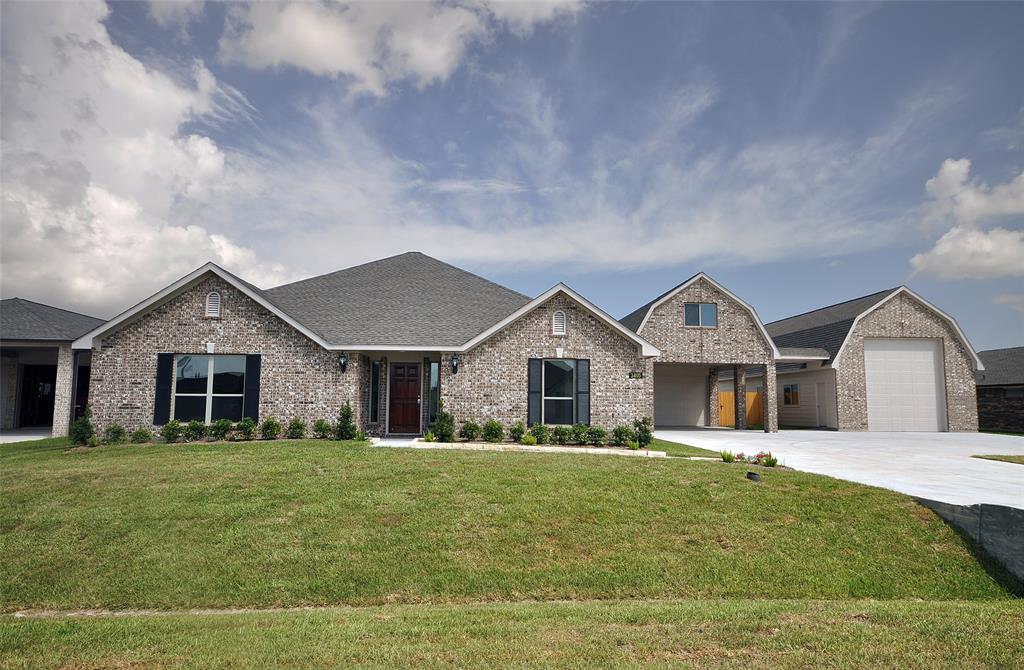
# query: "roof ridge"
836,304
473,274
60,309
340,270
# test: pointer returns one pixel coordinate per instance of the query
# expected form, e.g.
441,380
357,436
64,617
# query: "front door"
404,406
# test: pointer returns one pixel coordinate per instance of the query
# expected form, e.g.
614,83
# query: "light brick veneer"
8,391
904,316
298,376
492,378
63,394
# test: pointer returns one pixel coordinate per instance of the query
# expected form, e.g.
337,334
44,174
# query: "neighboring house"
895,363
43,383
1001,390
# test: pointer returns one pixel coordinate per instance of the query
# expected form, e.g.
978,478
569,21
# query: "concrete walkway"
937,466
23,434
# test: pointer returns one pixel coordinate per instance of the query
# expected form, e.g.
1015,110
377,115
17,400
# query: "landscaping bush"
728,457
470,431
597,436
644,431
93,441
270,429
245,429
296,429
322,429
346,428
579,434
516,431
540,433
634,445
219,429
768,460
361,436
429,437
444,426
195,430
82,429
561,434
493,431
621,435
173,431
115,434
528,439
142,435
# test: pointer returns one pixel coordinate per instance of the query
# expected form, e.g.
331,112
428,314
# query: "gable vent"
213,304
558,323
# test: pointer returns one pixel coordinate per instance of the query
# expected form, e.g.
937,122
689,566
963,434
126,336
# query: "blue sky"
801,154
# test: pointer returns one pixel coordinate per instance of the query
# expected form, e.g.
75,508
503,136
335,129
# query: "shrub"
516,431
493,431
728,457
219,429
444,426
528,439
621,435
93,441
346,428
173,431
561,434
245,429
115,434
361,435
579,433
322,429
469,431
643,428
769,461
429,437
142,435
597,436
296,429
194,430
270,429
540,433
81,429
634,445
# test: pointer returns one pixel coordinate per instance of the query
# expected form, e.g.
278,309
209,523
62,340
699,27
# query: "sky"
801,154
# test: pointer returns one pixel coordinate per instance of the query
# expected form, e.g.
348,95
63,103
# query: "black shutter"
251,401
533,392
583,390
162,400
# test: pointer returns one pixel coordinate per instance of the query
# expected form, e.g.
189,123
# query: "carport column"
63,393
770,398
739,381
711,416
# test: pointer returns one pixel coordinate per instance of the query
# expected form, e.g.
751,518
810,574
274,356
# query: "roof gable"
22,319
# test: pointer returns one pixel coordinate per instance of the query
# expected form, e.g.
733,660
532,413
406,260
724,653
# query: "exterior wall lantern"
455,364
343,361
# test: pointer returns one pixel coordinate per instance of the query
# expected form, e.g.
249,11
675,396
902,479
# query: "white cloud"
969,253
373,44
175,13
961,200
102,191
1014,301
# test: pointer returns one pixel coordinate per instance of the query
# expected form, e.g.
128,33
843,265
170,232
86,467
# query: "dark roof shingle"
22,319
1003,367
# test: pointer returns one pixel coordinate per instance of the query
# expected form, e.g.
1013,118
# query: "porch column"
771,398
63,391
739,380
711,417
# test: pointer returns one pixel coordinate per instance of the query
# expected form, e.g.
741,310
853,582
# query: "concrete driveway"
937,466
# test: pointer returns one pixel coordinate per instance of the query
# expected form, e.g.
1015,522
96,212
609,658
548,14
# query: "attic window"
213,305
558,323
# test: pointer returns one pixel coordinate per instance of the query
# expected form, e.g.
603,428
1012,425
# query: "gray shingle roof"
1003,367
824,328
636,317
405,300
22,319
801,351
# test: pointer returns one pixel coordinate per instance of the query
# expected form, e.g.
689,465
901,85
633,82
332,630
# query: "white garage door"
905,384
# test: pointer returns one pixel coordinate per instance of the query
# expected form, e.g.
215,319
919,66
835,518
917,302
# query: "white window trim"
543,397
554,323
796,387
209,395
700,320
210,314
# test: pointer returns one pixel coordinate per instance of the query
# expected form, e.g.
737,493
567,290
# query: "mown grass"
1004,458
674,449
306,522
704,634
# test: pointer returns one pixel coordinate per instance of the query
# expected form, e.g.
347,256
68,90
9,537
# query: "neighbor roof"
22,319
410,299
824,328
1003,367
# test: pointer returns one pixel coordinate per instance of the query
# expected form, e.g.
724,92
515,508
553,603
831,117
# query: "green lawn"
1007,458
705,634
673,449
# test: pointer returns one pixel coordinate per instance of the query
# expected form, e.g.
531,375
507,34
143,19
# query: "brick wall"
8,391
492,378
997,412
63,393
904,316
298,377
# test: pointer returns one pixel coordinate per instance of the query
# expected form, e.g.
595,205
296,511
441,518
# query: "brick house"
395,338
1001,390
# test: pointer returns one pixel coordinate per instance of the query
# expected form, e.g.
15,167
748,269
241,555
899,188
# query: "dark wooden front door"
404,406
37,387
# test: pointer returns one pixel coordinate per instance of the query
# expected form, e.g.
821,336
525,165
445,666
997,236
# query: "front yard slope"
294,523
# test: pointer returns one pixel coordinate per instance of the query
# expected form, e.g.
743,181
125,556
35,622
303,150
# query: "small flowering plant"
763,458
